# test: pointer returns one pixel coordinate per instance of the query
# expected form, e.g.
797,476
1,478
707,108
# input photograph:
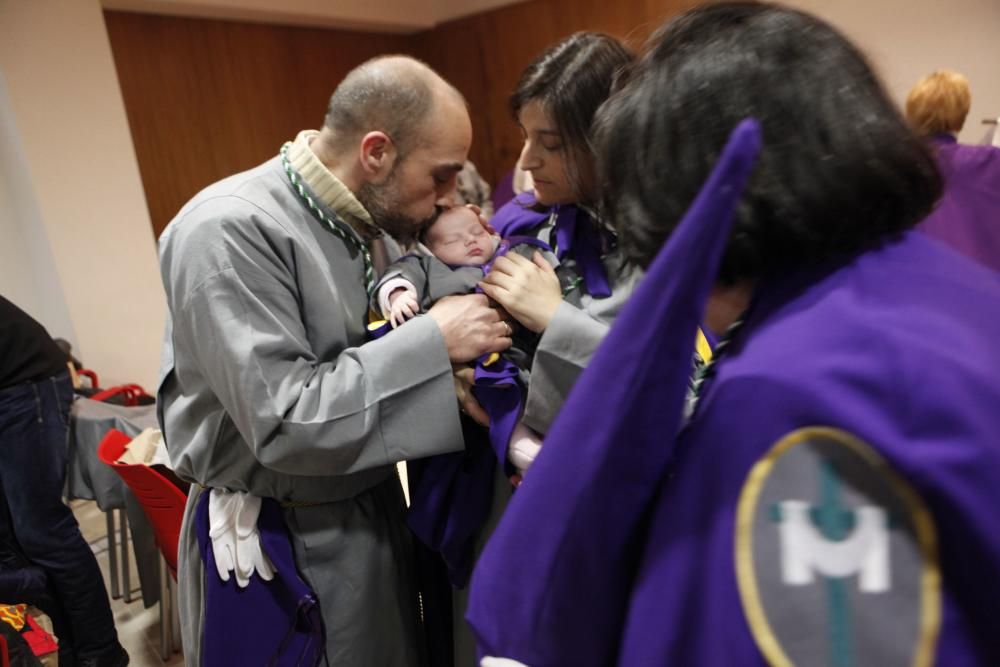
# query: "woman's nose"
529,158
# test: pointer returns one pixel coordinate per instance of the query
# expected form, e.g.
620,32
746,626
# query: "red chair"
163,503
131,395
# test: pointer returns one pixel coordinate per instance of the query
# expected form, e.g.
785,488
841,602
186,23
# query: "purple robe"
894,347
968,216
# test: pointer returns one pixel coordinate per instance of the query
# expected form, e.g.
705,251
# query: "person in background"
831,499
36,526
968,216
270,393
472,188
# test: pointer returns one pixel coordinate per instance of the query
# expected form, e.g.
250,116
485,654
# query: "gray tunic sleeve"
566,346
303,415
563,351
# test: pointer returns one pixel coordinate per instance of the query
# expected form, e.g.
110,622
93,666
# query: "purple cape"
623,546
896,349
968,216
551,588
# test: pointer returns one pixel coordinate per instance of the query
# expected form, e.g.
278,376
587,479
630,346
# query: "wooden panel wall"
506,40
207,98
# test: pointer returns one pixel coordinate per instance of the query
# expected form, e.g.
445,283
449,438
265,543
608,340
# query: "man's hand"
465,376
470,327
527,288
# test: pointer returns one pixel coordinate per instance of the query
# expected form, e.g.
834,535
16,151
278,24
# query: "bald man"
268,384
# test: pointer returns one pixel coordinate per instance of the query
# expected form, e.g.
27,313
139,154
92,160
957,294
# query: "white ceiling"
396,16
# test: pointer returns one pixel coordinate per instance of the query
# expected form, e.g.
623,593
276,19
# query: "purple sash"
275,623
577,236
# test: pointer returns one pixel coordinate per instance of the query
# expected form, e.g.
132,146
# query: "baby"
456,252
462,246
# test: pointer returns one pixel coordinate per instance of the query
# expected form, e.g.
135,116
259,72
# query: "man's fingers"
471,407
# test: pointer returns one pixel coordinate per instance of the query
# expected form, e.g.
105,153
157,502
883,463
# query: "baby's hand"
402,306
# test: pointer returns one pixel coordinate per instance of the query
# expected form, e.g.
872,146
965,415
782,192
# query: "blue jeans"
34,419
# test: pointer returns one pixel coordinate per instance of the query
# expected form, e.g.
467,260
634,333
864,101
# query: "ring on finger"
510,329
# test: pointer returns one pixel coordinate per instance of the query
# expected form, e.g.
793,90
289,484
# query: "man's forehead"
448,136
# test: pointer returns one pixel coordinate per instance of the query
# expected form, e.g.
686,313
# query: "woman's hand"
528,289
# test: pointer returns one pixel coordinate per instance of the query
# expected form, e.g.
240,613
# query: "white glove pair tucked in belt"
232,525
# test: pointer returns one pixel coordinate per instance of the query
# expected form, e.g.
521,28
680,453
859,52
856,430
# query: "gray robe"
268,386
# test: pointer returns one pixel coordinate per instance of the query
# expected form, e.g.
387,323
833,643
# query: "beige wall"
73,213
26,275
906,39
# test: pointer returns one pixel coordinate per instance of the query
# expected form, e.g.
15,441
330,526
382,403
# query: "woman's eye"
552,147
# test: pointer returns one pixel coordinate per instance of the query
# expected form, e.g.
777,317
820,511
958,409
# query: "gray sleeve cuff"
564,350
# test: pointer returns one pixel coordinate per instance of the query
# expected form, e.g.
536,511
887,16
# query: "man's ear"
377,155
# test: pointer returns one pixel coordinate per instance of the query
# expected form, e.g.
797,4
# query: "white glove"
232,526
523,448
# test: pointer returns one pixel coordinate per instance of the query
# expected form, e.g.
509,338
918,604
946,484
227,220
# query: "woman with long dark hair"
571,306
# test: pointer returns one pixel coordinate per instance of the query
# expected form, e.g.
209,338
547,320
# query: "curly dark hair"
571,80
840,170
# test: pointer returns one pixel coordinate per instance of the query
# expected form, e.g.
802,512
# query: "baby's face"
458,237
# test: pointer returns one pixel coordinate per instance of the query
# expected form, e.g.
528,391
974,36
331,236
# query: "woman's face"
544,155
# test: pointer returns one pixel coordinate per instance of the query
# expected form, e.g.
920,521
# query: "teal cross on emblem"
838,542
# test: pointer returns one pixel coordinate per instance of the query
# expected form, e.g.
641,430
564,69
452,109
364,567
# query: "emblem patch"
835,556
